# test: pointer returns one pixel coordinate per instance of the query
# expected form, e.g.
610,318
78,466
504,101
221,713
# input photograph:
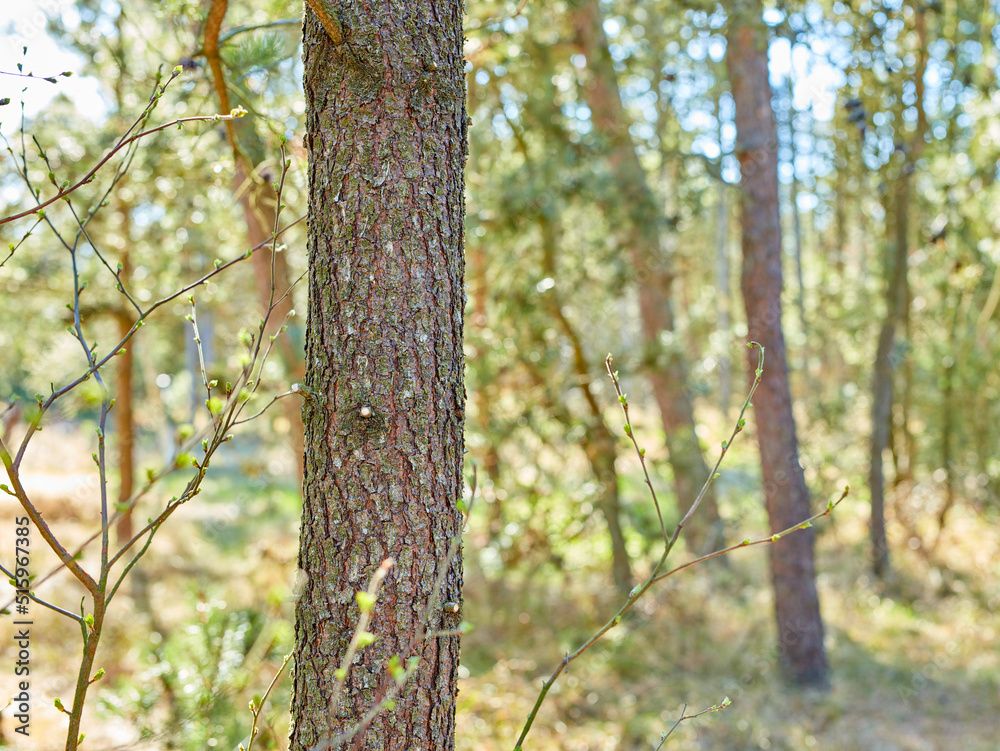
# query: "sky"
22,24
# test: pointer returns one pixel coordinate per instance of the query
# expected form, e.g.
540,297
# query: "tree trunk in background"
949,407
897,296
796,602
125,423
259,203
598,442
722,290
643,239
882,386
385,95
124,411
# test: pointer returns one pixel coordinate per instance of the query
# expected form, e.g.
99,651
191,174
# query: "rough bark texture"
385,401
800,627
643,238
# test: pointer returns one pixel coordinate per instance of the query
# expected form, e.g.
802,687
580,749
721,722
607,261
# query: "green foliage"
201,673
551,291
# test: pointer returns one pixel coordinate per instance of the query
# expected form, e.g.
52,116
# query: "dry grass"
915,661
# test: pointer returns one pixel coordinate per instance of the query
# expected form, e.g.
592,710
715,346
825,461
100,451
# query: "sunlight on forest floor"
915,664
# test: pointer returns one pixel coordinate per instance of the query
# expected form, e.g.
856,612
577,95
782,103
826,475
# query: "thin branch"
655,575
89,177
715,708
641,452
44,405
47,79
401,676
770,539
36,518
498,19
366,603
257,27
34,598
68,560
256,710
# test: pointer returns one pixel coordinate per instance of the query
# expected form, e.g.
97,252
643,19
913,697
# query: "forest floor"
914,661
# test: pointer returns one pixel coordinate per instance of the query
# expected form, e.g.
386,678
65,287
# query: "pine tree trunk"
384,383
799,624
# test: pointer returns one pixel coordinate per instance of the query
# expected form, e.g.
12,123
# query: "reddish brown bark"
384,413
796,602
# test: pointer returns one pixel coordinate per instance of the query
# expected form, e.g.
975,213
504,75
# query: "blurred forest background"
888,122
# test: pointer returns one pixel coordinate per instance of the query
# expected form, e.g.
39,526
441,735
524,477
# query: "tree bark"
643,239
796,602
384,404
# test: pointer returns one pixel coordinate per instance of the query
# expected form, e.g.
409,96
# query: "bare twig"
125,141
657,571
721,705
256,709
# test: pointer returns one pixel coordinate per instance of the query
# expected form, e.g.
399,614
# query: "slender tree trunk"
881,416
598,442
796,602
793,200
643,239
259,203
897,314
882,379
124,410
125,427
949,407
384,383
722,291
